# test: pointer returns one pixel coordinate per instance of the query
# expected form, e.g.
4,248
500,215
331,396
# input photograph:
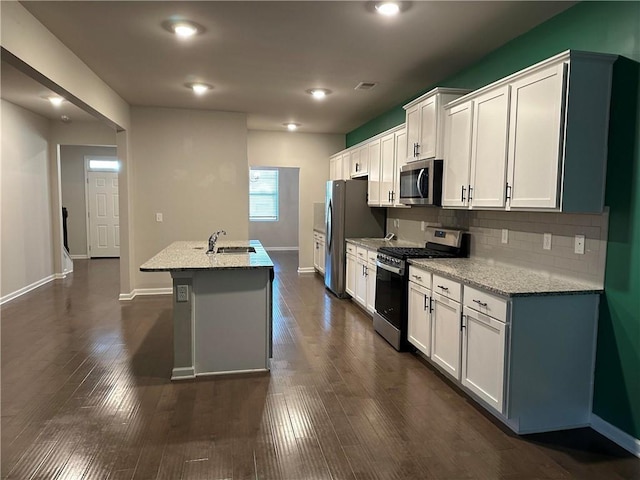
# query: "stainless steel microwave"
421,183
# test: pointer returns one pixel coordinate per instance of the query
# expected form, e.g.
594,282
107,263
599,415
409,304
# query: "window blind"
263,195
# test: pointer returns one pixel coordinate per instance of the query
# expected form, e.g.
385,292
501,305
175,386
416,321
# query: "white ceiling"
261,56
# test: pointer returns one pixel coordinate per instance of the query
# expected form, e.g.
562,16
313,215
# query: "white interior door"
103,221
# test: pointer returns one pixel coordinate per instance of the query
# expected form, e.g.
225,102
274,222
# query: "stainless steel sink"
236,250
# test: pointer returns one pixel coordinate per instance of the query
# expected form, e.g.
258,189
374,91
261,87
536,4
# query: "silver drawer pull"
482,304
417,277
446,289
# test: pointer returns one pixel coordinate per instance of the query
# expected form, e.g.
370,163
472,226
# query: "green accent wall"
608,27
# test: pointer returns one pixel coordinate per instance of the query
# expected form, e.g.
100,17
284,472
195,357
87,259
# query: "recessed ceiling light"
55,100
199,88
318,93
183,28
388,8
65,119
291,126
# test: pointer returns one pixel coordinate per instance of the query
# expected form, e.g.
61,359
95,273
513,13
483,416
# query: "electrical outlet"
182,293
158,217
396,222
505,235
546,242
423,226
579,245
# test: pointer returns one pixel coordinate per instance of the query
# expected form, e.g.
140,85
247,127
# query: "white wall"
26,249
191,166
283,233
72,177
308,151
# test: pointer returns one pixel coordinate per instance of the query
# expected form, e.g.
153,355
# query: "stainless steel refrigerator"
347,216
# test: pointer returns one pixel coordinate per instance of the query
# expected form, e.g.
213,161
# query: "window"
263,195
103,164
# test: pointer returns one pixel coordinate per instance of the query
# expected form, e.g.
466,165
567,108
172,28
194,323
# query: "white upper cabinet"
387,169
455,181
359,161
425,123
374,173
538,138
489,149
535,131
346,165
400,160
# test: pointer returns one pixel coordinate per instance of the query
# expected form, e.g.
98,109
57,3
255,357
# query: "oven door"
390,298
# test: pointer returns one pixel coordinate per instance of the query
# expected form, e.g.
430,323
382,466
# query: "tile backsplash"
525,238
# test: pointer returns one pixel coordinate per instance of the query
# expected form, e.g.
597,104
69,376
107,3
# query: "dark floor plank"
86,394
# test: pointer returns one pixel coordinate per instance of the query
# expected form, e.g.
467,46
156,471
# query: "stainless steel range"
392,277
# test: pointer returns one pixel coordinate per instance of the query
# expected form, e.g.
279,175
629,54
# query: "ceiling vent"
365,86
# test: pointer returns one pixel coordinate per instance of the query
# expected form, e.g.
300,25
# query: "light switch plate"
546,242
423,225
505,235
579,245
158,217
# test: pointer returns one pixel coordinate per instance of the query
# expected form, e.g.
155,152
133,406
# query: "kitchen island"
222,307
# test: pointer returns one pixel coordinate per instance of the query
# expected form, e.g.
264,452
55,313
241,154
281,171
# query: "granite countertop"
191,255
375,243
504,280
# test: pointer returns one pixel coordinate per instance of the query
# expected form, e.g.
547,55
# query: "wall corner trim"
145,291
306,270
10,296
613,433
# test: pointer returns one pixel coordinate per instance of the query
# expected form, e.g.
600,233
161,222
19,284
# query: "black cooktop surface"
412,252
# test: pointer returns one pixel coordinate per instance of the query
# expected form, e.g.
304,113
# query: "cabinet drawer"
372,256
486,303
361,253
447,288
351,249
419,276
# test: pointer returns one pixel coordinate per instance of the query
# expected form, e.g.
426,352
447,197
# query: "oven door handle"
389,268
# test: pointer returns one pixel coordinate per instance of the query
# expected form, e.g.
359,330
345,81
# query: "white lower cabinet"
351,275
318,251
445,340
361,282
419,321
528,359
371,283
483,356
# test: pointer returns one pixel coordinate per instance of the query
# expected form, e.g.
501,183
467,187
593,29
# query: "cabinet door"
361,283
535,138
400,160
316,254
321,255
387,165
346,166
489,149
332,168
413,132
355,162
445,334
483,357
457,155
374,173
351,275
419,322
338,168
364,160
371,287
427,142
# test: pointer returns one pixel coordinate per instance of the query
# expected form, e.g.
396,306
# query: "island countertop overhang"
192,256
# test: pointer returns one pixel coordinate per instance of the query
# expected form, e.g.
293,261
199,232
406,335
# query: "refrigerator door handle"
329,222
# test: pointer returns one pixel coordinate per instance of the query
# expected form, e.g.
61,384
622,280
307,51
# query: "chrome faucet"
213,239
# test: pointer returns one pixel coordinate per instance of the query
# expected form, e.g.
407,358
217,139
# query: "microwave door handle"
419,182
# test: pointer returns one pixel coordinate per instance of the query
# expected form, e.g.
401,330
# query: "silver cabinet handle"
470,190
425,306
417,277
462,194
482,304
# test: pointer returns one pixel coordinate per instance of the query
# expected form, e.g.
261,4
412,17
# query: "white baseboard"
183,373
146,291
306,270
28,288
616,435
281,249
79,257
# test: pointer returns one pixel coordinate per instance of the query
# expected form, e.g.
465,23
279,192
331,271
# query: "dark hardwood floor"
86,394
